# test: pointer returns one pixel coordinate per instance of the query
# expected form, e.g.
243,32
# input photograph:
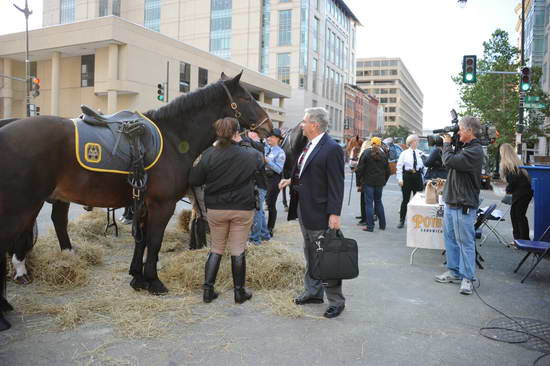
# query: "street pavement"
396,314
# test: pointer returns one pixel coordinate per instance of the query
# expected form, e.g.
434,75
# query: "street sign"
535,105
532,98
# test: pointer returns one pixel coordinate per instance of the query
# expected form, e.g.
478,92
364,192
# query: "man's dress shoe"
302,300
334,311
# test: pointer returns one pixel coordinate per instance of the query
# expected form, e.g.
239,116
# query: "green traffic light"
525,86
469,77
161,98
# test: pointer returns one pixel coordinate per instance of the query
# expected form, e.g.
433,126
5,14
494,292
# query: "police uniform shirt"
406,162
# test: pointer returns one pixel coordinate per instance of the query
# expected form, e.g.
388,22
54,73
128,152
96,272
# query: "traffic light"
469,73
35,87
37,111
525,83
160,92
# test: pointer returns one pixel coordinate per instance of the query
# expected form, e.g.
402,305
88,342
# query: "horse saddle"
103,142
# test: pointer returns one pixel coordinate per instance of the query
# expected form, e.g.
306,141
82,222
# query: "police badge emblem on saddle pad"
97,150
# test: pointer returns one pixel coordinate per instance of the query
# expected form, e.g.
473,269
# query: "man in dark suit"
316,195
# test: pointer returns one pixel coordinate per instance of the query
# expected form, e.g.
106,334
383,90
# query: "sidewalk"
396,314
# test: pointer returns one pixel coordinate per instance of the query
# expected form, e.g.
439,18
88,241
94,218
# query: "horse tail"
3,276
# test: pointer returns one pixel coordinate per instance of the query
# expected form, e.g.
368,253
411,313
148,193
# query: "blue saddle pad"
95,145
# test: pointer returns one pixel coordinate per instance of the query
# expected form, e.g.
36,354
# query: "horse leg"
136,268
60,218
23,246
159,214
4,304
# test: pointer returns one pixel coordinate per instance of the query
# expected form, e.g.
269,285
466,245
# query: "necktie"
414,160
301,160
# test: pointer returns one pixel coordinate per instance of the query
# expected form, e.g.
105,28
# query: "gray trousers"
316,288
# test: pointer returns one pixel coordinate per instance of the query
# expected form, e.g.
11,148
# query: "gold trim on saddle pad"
87,157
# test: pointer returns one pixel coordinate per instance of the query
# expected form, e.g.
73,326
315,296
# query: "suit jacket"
320,190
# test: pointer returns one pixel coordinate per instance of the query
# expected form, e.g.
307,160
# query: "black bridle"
238,114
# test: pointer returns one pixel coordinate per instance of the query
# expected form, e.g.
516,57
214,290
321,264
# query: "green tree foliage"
399,133
495,97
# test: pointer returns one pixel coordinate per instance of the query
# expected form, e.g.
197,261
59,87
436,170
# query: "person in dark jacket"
461,196
374,171
519,186
434,163
228,170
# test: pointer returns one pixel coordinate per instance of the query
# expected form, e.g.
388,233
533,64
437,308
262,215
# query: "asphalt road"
396,314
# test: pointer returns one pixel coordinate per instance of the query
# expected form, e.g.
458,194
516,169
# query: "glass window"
116,7
264,52
220,27
185,77
203,77
103,8
87,66
152,15
314,75
66,11
283,67
315,40
285,27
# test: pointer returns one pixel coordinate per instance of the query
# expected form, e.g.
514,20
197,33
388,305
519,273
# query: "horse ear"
237,77
223,76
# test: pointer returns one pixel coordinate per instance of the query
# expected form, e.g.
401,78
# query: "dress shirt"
314,143
406,161
276,158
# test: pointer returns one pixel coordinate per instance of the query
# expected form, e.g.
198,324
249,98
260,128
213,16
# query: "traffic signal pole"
519,131
27,12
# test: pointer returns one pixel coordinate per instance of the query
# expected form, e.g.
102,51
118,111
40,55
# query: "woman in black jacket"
519,186
434,163
374,171
227,170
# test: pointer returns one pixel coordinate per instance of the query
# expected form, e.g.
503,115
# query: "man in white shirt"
409,172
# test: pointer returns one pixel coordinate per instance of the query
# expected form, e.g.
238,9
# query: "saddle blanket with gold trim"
94,146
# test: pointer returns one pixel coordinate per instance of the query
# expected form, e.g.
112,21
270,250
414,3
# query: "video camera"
487,134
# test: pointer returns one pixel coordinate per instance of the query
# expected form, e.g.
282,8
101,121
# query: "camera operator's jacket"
464,176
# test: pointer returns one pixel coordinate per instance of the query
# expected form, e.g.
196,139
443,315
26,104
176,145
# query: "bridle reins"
238,114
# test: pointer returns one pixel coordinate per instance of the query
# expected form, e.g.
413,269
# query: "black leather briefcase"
334,257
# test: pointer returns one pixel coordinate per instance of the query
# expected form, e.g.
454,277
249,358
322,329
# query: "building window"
314,75
315,40
66,11
116,7
264,46
220,27
203,77
87,70
185,77
304,31
103,8
32,69
285,27
313,103
152,15
283,67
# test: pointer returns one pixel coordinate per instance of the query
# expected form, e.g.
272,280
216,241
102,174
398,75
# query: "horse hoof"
156,287
4,324
5,305
138,283
23,280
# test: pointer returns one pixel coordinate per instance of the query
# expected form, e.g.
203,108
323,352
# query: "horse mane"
189,102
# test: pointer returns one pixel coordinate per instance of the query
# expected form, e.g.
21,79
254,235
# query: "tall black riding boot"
210,272
238,267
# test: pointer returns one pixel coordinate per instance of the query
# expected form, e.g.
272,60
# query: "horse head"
244,107
293,144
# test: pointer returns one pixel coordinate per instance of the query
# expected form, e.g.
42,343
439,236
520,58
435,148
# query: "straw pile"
184,219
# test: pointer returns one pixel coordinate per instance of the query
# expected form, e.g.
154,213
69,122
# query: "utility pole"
27,12
520,126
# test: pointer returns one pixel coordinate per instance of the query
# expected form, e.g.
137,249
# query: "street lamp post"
521,92
27,12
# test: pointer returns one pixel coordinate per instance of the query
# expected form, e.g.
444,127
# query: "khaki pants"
229,228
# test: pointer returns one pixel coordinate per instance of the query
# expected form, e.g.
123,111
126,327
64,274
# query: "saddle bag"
334,257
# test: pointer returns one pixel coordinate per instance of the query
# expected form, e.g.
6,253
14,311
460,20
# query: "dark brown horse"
38,162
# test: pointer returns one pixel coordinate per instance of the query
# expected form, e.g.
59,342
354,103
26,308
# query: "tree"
396,132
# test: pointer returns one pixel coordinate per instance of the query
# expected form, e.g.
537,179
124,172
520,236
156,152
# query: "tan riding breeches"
229,228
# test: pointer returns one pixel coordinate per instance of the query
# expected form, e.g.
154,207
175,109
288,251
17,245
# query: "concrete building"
355,116
112,64
307,44
389,80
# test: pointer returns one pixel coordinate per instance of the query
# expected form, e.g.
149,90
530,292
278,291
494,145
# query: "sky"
430,36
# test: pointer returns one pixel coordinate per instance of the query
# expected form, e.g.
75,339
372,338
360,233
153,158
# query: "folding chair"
540,248
490,215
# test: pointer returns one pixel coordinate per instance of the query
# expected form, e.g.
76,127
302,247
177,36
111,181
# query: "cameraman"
461,196
435,166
